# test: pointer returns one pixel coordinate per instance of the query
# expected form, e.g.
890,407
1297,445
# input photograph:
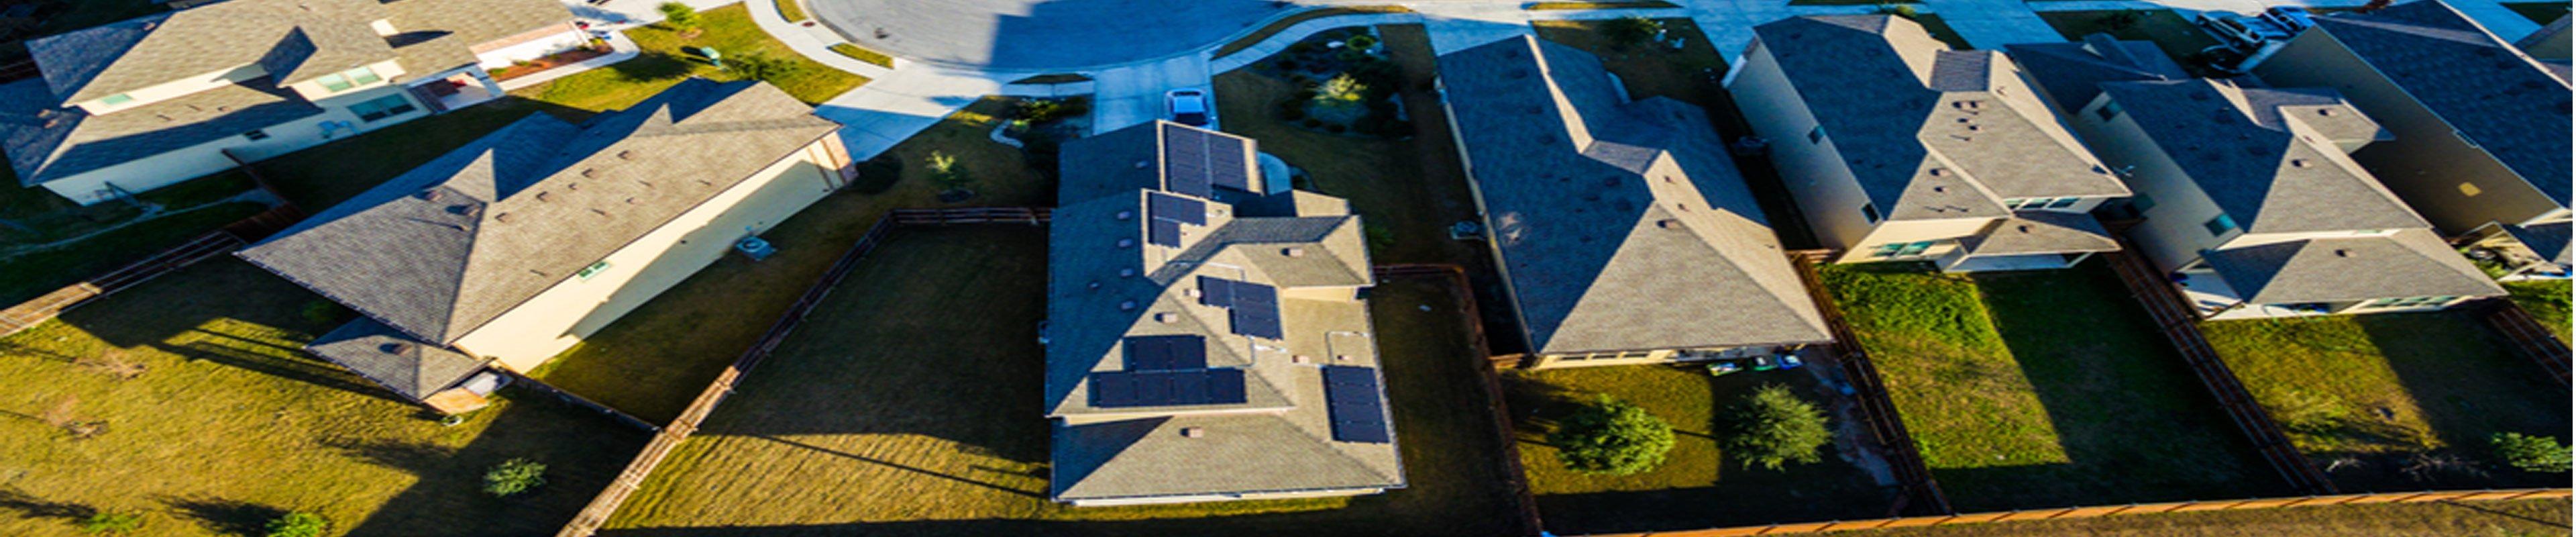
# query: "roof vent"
2298,163
2325,111
589,173
541,196
1293,251
1124,215
1126,243
462,209
1937,172
2339,252
1126,305
502,217
429,195
2024,228
626,155
1094,285
1126,273
1940,189
1191,292
630,201
1669,223
1193,432
1167,317
1141,164
576,186
1300,358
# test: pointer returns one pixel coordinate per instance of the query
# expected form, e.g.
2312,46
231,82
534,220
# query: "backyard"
669,58
889,412
1697,486
2521,518
2043,389
2545,300
195,409
2396,401
47,242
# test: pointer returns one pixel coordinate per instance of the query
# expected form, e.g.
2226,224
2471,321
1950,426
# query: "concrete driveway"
1053,35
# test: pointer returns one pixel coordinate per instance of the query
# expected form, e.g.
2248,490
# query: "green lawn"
2363,393
2524,518
2546,300
669,58
1697,486
894,412
2038,389
2168,30
2540,12
227,423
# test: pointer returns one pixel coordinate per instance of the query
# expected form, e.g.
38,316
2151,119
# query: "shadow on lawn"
225,517
2469,383
28,506
582,452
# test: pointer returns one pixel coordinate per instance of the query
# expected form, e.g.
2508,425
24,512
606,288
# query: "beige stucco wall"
2171,233
155,171
176,88
1813,172
561,316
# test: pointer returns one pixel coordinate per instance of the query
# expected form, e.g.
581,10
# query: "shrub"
1632,30
111,523
762,67
1045,110
1612,437
944,169
1360,42
514,476
878,175
2530,453
678,16
298,524
1774,427
1341,89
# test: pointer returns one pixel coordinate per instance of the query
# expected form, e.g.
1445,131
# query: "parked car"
2232,30
1187,107
2291,19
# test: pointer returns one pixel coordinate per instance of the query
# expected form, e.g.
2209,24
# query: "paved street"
1041,34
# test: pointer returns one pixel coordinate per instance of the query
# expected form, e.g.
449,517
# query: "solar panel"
1214,291
1225,164
1164,233
1256,310
1169,207
1109,389
1352,403
1167,388
1185,167
1160,353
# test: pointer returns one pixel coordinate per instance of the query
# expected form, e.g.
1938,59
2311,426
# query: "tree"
1632,30
111,523
514,476
298,524
1342,89
1612,437
944,169
678,16
763,67
2531,453
1774,427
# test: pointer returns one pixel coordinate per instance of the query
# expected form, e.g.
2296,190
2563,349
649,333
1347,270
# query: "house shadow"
2468,383
256,322
1058,35
582,450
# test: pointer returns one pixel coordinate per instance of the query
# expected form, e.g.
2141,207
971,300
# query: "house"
2248,196
2481,143
1623,233
2550,44
1204,341
147,102
2070,75
509,250
1897,148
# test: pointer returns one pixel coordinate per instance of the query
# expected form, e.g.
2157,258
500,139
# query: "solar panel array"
1170,207
1167,388
1253,308
1166,353
1351,399
1214,291
1163,233
1185,161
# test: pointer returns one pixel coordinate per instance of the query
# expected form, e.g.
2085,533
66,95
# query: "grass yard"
214,422
2362,393
2043,389
2168,30
653,361
1281,25
1697,486
891,413
2546,300
2523,518
669,58
2540,12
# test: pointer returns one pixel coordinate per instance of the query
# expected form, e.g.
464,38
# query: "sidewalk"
887,110
1991,24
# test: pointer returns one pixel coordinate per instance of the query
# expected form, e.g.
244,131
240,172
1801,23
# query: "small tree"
2531,453
1774,427
1342,89
763,67
514,476
944,169
111,523
298,524
1632,30
678,16
1612,437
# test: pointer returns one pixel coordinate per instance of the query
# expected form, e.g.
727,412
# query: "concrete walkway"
887,110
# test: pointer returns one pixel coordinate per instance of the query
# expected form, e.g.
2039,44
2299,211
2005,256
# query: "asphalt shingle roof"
2267,156
2498,97
2041,232
46,143
442,249
382,354
2407,263
1622,225
2069,73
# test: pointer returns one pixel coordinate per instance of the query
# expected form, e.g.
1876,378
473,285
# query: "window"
1816,135
1869,211
2141,202
2014,203
593,270
2219,225
255,135
382,107
334,82
1887,250
2061,203
1915,248
2108,111
362,76
117,99
1901,249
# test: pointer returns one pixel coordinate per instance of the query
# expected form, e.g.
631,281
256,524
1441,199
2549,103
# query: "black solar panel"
1214,291
1167,388
1169,207
1351,401
1164,233
1163,353
1225,164
1256,310
1185,167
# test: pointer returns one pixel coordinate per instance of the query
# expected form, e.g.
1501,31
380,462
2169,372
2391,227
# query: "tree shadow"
2469,384
224,517
582,450
29,506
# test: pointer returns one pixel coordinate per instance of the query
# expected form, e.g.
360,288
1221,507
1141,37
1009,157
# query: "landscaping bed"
529,67
1345,84
2396,401
2043,389
1699,485
670,55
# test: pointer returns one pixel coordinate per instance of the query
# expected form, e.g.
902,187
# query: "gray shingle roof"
444,248
2070,72
414,368
2041,232
2549,241
46,143
2407,263
2506,102
1910,115
1107,282
2246,149
141,52
1621,225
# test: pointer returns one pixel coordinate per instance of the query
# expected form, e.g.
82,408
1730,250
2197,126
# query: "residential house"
1897,148
2481,142
147,102
511,249
2249,198
1206,341
2069,75
1623,233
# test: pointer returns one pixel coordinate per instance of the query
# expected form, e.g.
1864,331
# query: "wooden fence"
1904,458
1510,467
972,215
2108,510
2528,336
210,245
2174,318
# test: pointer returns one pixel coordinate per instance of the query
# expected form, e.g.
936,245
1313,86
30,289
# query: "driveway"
1050,35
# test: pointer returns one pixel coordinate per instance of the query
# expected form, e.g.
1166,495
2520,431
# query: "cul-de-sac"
1500,268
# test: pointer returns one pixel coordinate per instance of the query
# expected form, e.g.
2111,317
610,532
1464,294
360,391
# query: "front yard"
669,58
2397,401
1698,485
2043,389
908,405
2545,300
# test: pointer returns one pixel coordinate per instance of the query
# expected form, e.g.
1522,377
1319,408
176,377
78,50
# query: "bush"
2531,453
1632,30
1360,42
1341,89
878,175
1612,437
298,524
764,68
107,523
1774,427
678,16
514,476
